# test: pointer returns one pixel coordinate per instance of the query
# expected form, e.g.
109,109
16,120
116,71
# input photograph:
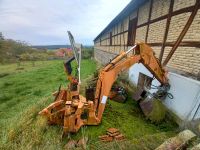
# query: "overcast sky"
41,22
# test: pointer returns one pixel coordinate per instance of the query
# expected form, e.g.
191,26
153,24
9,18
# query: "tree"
1,36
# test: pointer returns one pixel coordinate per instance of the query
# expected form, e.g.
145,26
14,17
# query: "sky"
46,22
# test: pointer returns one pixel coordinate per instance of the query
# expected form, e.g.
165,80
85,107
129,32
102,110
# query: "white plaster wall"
186,96
186,93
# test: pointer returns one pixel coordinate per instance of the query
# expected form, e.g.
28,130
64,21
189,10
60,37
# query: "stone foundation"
102,56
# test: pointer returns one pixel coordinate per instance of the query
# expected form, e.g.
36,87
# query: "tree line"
12,51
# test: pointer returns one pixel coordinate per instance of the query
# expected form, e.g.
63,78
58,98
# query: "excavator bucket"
151,103
153,109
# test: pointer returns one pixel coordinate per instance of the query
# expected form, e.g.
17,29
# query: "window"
132,31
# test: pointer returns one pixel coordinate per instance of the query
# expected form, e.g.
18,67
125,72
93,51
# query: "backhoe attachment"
72,110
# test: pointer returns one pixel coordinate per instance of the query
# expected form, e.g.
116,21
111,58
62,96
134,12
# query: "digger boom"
72,110
141,53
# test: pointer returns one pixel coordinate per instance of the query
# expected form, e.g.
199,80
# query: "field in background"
25,91
12,51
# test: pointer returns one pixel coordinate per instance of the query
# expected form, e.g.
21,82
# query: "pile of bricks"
112,134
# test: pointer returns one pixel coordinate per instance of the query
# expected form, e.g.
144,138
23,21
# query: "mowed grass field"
26,90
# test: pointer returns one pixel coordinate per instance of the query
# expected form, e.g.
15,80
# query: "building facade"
172,29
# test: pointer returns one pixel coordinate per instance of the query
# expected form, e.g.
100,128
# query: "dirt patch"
3,75
20,68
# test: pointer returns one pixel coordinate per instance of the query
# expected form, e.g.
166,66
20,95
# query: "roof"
133,5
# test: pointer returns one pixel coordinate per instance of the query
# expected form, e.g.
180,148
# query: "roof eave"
133,5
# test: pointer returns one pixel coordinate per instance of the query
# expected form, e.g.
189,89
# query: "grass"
24,92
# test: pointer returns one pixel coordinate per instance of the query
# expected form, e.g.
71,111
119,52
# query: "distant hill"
51,47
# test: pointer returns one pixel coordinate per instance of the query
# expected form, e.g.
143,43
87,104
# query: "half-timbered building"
172,29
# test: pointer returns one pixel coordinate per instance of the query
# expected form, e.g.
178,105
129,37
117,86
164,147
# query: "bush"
14,51
87,52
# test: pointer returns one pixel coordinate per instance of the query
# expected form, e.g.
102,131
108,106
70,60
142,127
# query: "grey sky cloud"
41,22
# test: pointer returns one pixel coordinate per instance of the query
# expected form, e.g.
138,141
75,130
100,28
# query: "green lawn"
25,91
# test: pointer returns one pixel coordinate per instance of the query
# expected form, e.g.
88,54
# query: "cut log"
177,142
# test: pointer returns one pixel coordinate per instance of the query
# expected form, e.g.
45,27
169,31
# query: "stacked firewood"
112,134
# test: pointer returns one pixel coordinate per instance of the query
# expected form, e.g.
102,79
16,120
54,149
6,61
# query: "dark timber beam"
124,37
183,44
110,38
149,18
120,32
136,25
183,10
184,31
177,12
170,44
166,29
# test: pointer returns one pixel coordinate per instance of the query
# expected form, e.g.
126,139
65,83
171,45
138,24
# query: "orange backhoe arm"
142,53
69,108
